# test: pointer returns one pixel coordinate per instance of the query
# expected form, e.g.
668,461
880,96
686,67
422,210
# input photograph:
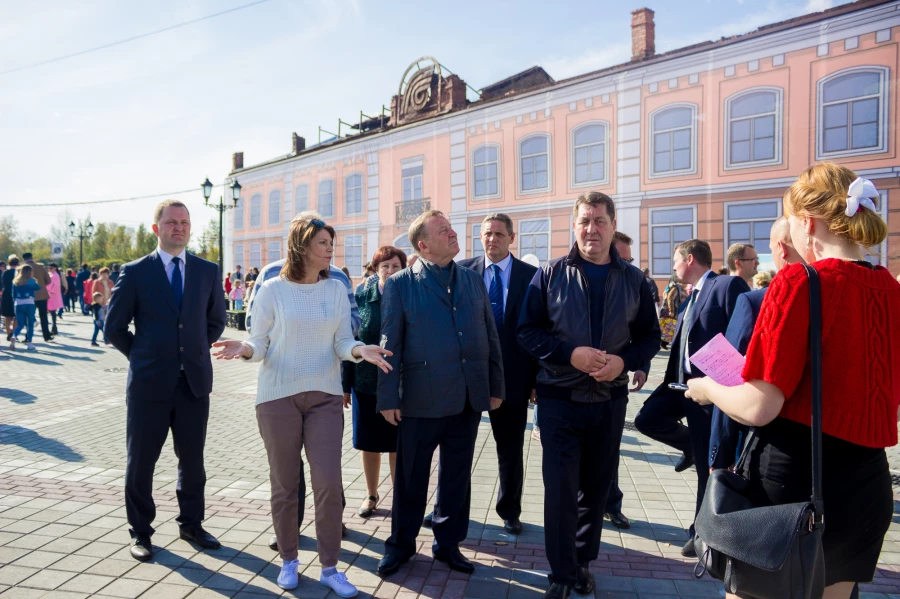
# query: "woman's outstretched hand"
374,354
231,349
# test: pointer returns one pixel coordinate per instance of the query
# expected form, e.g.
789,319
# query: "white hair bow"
858,196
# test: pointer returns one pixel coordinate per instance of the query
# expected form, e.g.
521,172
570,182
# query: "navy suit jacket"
723,441
519,367
166,337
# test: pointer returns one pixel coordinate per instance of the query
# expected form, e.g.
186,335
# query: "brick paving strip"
63,532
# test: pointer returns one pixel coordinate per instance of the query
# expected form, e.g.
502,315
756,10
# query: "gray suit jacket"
442,352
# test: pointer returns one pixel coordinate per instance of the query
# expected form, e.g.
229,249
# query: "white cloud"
818,5
595,58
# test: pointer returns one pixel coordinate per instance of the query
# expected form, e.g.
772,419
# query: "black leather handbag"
770,552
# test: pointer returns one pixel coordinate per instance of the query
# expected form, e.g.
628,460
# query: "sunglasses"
315,223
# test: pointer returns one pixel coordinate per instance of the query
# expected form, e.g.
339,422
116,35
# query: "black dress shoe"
343,530
454,559
584,584
390,563
141,549
688,549
273,542
428,521
684,463
557,591
618,519
513,526
199,536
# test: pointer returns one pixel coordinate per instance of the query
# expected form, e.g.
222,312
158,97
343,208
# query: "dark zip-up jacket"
556,318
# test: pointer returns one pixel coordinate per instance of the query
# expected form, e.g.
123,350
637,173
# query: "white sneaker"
339,584
31,347
289,578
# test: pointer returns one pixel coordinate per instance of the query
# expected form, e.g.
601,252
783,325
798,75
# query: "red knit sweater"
860,349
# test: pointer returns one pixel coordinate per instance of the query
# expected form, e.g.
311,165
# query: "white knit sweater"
300,333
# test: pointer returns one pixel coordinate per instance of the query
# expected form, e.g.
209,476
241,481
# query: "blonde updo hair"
821,192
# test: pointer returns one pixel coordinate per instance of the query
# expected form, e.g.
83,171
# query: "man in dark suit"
701,317
726,434
177,304
436,318
506,279
588,318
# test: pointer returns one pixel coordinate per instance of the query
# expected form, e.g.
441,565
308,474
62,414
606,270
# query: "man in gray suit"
436,318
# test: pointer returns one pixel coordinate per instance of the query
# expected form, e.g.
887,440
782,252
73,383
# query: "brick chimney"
643,34
299,144
237,161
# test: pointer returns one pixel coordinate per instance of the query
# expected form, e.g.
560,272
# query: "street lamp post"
84,232
221,208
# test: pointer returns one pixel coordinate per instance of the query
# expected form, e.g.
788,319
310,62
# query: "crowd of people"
425,344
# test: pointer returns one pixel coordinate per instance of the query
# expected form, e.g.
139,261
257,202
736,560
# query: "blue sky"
161,113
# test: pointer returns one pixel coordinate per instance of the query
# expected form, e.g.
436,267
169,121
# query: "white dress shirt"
505,269
170,266
684,333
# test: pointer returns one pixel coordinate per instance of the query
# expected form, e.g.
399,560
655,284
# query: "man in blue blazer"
177,305
726,434
702,316
508,422
437,321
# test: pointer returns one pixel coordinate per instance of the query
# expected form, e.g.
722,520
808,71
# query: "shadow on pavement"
26,438
17,396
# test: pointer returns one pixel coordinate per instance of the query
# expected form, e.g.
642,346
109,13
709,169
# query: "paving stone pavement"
63,531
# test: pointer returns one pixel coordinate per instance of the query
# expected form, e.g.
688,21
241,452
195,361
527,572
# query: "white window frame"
348,189
651,226
239,210
883,122
238,254
421,176
256,198
304,195
651,166
883,212
354,241
319,195
779,139
258,252
402,242
520,235
572,148
275,215
498,162
726,221
477,246
519,158
269,245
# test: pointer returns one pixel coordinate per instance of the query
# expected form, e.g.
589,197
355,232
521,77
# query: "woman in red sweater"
832,217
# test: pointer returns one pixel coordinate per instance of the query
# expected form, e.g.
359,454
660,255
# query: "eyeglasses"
756,259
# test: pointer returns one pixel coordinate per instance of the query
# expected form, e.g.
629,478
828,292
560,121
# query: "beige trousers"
313,420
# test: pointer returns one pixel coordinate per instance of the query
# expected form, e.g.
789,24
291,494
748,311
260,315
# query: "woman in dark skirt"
833,217
372,434
7,305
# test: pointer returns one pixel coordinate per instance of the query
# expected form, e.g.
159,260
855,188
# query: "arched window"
353,203
325,202
589,142
486,171
852,112
403,243
673,134
534,163
274,207
753,135
301,198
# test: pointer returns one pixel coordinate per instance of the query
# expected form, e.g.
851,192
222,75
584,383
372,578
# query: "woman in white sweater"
301,332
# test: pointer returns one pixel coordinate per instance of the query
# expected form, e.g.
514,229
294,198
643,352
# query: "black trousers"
41,306
581,455
614,500
508,424
659,420
146,428
416,442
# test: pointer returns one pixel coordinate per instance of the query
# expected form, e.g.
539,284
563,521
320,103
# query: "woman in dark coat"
372,434
7,305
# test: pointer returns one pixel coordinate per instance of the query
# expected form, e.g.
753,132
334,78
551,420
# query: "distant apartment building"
698,142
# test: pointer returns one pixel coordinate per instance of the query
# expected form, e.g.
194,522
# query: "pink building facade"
700,142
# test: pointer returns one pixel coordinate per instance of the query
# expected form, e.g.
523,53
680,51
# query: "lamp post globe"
207,190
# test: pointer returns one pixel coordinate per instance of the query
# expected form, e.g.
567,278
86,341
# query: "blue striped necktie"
495,293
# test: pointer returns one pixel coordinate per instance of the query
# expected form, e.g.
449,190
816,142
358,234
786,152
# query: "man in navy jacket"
177,304
704,315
